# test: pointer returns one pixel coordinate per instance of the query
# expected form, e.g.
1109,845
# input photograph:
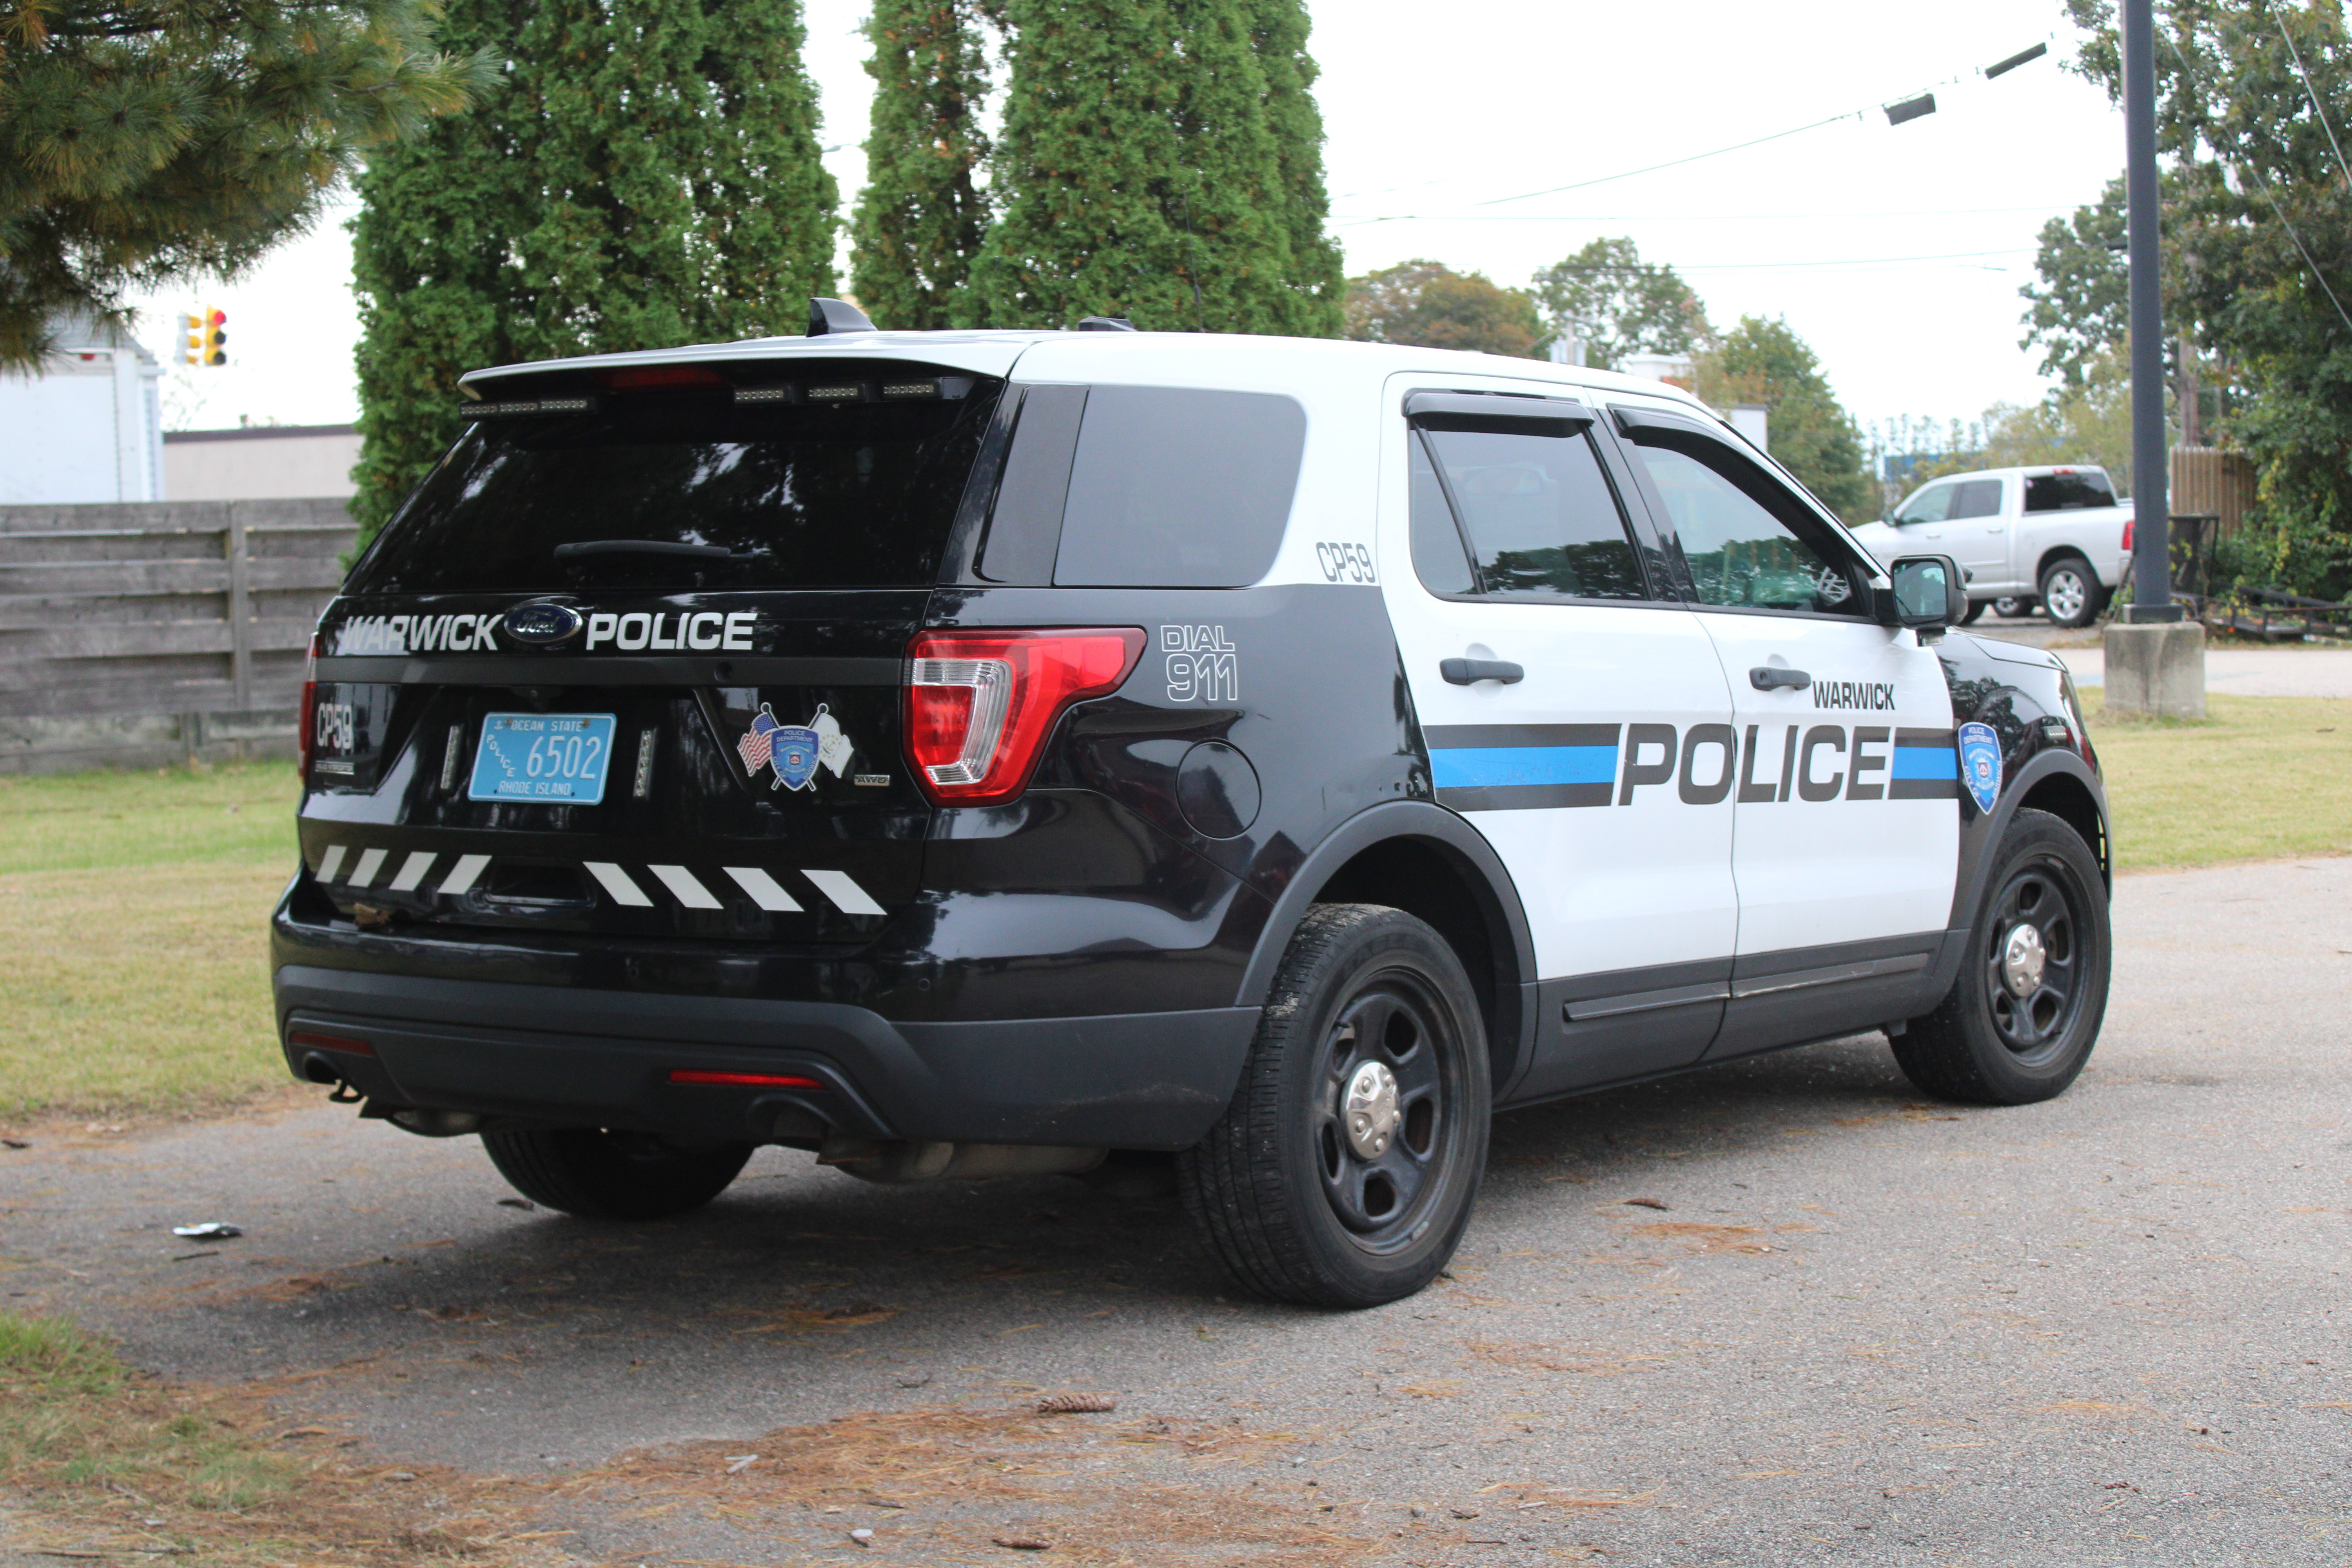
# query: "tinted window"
2067,492
1977,498
1932,504
1538,513
1178,488
1739,553
1438,556
810,497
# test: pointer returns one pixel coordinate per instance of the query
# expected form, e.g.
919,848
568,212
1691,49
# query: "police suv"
978,753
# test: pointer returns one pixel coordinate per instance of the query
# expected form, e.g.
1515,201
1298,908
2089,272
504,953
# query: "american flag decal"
758,744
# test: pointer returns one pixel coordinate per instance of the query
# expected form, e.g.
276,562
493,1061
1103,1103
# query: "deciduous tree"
1427,304
1617,304
1765,363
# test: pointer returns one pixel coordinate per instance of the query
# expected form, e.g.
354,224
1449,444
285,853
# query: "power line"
1686,218
2313,93
1761,266
1677,162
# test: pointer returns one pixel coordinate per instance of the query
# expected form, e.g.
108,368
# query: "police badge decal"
1980,764
793,753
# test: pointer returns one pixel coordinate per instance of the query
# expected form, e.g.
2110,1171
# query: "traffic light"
192,338
216,334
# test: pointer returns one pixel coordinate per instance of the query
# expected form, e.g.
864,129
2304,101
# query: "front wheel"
2013,608
597,1175
1343,1173
1976,611
2071,594
2019,1021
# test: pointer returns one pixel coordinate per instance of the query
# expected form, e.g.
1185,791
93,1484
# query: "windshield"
858,495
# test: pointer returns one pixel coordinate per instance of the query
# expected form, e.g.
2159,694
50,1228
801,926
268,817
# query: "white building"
88,428
260,462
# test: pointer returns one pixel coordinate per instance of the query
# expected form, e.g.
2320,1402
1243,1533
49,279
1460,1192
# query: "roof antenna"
827,317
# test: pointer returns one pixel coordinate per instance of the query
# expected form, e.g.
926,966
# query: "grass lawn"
134,907
134,924
2259,778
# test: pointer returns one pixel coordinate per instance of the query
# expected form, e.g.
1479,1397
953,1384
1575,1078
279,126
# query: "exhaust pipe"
896,1163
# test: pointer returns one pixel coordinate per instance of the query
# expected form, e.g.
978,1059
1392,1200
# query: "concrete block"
2157,670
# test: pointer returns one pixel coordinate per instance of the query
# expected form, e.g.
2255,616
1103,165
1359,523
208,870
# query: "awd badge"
793,753
1980,764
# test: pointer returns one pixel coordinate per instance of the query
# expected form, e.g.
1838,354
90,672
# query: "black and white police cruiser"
979,753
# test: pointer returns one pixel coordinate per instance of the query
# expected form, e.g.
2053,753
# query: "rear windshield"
2067,492
849,496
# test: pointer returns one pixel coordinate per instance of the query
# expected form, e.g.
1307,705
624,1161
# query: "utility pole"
2154,664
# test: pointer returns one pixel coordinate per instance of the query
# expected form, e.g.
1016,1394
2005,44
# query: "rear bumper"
581,1057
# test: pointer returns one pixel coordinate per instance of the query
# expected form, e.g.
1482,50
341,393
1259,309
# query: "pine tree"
1137,175
1278,30
650,176
144,141
922,217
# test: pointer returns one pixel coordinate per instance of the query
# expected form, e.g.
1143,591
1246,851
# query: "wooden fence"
137,633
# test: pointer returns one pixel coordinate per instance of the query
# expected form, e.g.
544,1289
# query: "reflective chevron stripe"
684,888
848,895
617,883
763,890
760,886
412,871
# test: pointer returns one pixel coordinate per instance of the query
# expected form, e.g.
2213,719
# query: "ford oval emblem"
542,625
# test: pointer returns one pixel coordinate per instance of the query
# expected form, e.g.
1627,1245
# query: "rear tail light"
2127,530
981,704
343,1043
306,739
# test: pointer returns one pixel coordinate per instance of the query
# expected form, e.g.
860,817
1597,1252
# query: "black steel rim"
2035,1026
1395,1019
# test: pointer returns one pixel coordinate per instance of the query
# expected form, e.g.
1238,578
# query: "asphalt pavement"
1785,1311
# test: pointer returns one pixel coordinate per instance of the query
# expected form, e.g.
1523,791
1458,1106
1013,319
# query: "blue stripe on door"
1925,762
1504,767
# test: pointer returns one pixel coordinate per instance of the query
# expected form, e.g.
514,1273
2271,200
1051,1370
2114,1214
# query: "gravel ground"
1840,1324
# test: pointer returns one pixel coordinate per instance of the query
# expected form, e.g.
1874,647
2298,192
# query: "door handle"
1463,671
1765,678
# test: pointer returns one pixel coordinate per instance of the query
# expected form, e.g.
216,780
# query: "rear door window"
847,495
1537,514
1177,487
1976,498
2067,492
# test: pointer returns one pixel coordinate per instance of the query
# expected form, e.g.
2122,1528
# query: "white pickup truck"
2057,534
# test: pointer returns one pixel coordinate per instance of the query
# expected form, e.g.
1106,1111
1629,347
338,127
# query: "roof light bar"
899,389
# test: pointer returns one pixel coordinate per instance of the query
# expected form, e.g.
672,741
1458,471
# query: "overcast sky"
1896,251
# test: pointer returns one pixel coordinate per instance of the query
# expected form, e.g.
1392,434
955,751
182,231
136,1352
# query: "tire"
2071,594
2014,608
1976,612
1986,1043
595,1174
1296,1207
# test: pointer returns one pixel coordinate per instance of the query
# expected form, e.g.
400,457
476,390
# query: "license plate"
559,757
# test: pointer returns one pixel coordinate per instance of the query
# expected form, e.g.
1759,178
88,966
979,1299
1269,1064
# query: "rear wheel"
1343,1173
2019,1021
596,1174
2071,594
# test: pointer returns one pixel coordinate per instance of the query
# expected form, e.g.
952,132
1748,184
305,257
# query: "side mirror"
1929,594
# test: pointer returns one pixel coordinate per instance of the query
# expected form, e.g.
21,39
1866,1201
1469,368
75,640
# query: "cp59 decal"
1341,562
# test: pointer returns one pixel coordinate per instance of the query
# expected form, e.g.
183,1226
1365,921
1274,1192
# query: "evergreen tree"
922,217
649,177
1279,31
143,141
1138,176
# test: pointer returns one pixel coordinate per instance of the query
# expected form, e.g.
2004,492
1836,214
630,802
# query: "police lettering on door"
1518,767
